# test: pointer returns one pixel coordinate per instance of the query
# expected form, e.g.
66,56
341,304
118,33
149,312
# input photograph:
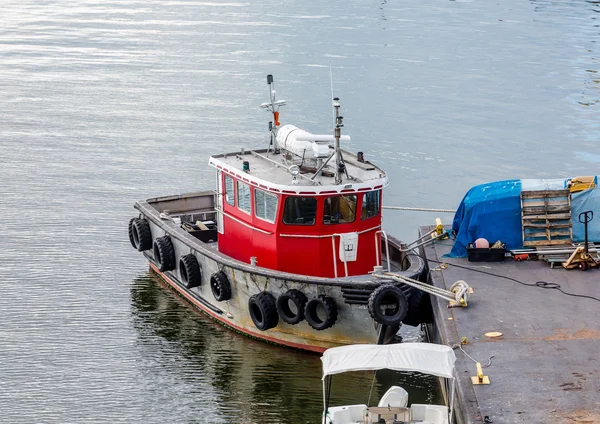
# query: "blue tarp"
493,211
588,200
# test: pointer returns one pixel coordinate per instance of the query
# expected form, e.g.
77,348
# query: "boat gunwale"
416,267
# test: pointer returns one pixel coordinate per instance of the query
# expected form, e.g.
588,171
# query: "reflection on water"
241,380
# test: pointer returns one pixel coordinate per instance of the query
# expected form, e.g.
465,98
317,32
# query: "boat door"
219,203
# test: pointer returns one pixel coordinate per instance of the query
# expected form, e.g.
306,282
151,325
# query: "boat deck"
274,168
545,367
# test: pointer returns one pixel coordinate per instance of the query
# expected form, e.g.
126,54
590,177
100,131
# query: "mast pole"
339,164
273,106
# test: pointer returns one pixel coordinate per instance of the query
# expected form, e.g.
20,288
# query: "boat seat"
387,414
429,413
346,414
395,396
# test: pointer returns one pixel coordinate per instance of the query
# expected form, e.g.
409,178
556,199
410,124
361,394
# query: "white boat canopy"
427,358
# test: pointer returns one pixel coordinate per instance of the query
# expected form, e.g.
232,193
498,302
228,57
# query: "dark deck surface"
546,366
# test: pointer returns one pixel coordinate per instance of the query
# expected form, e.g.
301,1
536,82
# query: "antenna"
332,106
273,106
338,123
340,167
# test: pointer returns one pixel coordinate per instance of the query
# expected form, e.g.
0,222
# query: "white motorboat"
426,358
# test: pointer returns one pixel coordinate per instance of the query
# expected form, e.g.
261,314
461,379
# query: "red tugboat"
283,249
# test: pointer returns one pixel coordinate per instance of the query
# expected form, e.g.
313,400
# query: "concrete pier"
546,366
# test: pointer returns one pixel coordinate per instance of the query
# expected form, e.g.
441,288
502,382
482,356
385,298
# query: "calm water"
105,103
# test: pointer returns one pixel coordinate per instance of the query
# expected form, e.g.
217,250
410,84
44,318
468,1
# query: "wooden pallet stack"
546,217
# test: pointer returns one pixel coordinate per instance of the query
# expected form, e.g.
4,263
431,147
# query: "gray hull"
352,325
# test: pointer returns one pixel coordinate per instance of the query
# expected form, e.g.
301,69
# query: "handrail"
335,256
387,249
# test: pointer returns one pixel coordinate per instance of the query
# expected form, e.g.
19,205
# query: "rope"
372,384
400,208
470,357
461,290
458,293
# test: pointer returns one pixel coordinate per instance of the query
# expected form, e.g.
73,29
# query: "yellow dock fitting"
480,378
439,230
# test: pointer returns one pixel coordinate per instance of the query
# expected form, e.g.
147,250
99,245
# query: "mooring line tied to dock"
403,208
458,295
479,378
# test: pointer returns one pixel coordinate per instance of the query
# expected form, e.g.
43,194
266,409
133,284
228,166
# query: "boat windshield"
339,209
300,211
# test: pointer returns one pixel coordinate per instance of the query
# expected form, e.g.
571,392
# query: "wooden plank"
542,242
546,225
545,193
553,202
549,216
548,233
543,209
548,221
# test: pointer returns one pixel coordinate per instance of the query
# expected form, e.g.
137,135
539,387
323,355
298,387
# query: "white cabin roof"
427,358
271,171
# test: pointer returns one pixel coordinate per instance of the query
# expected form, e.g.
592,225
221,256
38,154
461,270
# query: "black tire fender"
220,286
388,304
263,311
130,231
190,271
164,253
139,234
294,298
329,308
419,307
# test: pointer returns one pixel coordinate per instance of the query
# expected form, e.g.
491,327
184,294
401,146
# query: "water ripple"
105,103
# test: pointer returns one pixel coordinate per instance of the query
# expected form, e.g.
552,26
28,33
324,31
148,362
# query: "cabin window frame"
295,208
363,200
266,195
239,203
227,192
339,196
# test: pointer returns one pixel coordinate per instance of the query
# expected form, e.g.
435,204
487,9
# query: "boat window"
265,205
300,211
243,196
229,194
370,204
340,209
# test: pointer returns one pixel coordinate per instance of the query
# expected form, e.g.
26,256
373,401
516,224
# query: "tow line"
457,296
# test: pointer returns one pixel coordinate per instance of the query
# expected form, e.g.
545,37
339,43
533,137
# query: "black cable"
540,284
